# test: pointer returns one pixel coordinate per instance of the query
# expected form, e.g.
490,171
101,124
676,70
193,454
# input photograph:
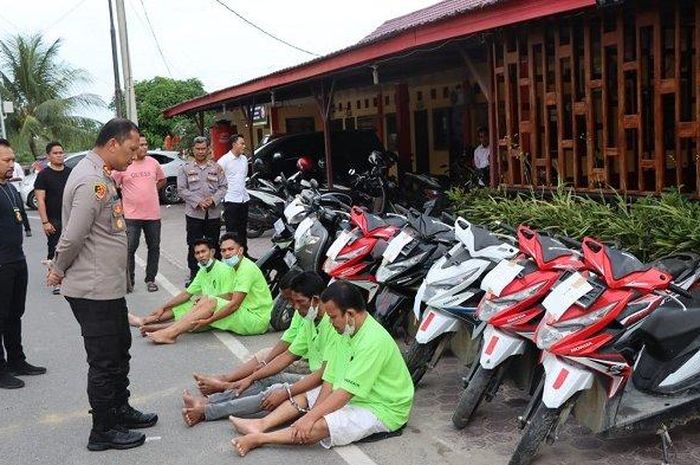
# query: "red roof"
441,22
437,12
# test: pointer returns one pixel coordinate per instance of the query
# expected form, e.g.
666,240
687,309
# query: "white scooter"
451,292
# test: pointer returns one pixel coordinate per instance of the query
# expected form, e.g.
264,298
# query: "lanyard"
13,206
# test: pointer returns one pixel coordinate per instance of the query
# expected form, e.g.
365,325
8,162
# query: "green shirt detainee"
291,332
315,342
253,315
370,367
216,280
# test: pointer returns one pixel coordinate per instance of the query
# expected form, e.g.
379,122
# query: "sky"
198,38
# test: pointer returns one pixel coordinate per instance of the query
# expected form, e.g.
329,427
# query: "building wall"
608,99
372,107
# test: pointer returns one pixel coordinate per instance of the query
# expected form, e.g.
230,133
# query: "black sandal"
151,286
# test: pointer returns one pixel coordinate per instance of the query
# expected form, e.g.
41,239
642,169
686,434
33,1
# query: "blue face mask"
232,261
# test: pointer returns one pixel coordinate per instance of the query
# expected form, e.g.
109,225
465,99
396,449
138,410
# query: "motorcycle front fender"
418,301
435,324
498,347
387,305
562,380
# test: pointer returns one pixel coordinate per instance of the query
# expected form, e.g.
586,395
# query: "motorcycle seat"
484,238
624,263
669,330
678,264
395,221
552,248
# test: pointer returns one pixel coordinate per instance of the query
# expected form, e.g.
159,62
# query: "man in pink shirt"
140,184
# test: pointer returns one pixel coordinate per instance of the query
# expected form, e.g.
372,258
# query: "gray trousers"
223,404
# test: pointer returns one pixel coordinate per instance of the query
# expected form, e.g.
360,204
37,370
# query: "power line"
65,15
153,33
250,23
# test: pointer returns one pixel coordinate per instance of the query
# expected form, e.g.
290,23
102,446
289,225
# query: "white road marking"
352,454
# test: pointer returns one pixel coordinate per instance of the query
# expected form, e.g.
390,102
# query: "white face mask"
349,328
207,264
312,313
232,261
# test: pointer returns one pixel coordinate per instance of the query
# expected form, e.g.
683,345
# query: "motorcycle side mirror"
313,183
277,156
321,164
351,171
278,179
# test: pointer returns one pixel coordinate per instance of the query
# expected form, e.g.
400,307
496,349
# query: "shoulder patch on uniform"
100,190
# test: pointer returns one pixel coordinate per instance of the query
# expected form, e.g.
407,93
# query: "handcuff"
299,408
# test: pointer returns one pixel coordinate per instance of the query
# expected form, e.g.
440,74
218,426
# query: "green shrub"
649,227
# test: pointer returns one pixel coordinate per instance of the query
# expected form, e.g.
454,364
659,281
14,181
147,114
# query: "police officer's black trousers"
105,329
236,216
198,229
13,292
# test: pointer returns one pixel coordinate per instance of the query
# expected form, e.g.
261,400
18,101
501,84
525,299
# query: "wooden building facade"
605,98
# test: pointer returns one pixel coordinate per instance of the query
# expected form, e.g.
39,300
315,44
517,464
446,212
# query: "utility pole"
130,98
2,119
115,64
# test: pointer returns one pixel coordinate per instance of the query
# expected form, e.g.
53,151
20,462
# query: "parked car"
349,149
169,161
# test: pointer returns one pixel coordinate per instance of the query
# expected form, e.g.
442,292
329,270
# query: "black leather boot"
108,434
129,417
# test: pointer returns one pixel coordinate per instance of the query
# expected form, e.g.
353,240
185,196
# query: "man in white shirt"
235,166
482,156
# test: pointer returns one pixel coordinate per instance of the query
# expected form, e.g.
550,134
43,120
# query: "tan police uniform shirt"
196,182
92,252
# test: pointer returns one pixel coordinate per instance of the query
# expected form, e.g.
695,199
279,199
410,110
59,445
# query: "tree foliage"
43,90
155,95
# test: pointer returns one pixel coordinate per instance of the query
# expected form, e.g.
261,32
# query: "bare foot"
159,338
135,320
245,444
193,412
209,384
247,425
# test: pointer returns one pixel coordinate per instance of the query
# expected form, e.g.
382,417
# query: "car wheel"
32,202
169,193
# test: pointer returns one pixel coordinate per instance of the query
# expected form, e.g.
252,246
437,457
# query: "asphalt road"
47,421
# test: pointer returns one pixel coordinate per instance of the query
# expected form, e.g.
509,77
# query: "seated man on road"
264,389
245,311
210,384
367,388
214,279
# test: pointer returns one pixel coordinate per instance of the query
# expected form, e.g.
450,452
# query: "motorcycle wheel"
282,313
419,356
541,424
472,396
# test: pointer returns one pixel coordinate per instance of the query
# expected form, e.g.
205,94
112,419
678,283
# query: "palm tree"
41,86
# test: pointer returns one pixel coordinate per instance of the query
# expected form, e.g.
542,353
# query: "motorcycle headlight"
297,217
305,240
491,305
386,272
328,265
550,333
352,254
437,287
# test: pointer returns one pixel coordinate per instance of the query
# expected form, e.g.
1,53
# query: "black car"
349,149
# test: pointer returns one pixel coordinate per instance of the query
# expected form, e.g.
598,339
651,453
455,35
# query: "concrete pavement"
47,421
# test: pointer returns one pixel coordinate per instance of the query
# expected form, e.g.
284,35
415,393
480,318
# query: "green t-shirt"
370,367
249,279
219,279
291,332
315,342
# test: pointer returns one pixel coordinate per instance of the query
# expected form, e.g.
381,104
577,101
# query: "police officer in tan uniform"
90,264
202,185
